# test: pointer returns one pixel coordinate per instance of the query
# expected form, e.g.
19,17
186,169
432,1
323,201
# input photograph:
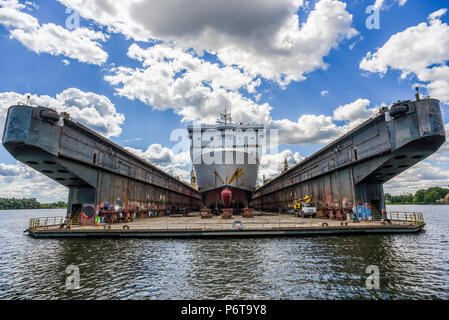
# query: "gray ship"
226,157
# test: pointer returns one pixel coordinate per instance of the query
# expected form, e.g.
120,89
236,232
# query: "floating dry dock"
195,227
347,173
106,181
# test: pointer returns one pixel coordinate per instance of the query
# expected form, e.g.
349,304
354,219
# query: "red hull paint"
213,197
226,197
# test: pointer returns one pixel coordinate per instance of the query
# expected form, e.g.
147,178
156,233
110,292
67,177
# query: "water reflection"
411,266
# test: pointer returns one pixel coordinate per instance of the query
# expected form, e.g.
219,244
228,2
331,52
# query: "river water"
410,266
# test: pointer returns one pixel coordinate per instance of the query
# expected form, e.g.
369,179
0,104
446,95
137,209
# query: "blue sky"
295,85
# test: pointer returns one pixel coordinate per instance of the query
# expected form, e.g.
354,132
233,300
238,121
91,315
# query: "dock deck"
195,227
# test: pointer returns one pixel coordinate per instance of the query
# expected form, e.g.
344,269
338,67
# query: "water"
411,266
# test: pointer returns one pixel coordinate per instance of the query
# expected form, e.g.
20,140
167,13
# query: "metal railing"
36,224
409,218
43,223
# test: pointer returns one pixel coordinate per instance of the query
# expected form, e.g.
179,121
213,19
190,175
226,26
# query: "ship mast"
225,117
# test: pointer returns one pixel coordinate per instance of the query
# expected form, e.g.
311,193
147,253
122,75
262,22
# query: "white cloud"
378,4
66,62
382,4
421,176
81,43
320,129
176,164
272,165
173,78
12,170
355,112
308,129
426,56
133,140
437,14
93,110
155,153
263,37
324,93
30,5
20,181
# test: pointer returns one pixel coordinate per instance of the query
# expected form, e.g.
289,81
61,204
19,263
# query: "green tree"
27,203
431,196
419,196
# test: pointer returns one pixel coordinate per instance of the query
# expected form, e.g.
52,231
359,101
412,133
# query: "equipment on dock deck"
304,207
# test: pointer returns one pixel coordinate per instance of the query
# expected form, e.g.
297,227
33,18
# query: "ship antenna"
226,117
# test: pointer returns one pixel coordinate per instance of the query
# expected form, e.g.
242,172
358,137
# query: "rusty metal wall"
351,171
96,170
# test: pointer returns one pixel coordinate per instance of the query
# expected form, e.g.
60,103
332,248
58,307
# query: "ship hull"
213,178
240,198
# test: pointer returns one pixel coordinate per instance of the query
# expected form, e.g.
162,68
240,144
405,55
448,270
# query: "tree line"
28,203
423,196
